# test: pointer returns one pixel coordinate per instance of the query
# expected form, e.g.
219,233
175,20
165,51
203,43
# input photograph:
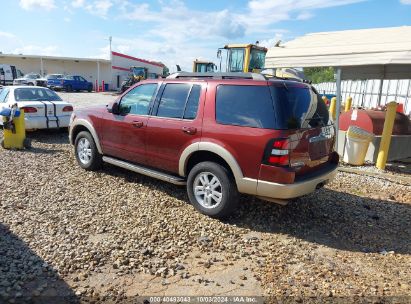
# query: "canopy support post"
381,83
338,93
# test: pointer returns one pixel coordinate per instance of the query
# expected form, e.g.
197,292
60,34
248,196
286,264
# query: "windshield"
257,59
297,106
54,76
236,60
138,71
32,76
35,94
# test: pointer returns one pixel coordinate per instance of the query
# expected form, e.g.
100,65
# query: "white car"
31,79
43,108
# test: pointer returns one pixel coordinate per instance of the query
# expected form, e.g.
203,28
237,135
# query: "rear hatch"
305,119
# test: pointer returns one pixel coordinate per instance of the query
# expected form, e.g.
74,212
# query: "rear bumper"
289,191
41,122
55,86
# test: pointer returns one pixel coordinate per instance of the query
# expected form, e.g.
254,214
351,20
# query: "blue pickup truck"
75,83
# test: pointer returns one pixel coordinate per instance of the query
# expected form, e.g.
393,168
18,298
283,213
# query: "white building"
112,72
121,63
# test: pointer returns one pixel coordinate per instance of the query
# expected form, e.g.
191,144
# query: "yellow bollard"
386,135
348,103
333,107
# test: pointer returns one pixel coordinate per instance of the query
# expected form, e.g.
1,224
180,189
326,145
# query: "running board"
145,171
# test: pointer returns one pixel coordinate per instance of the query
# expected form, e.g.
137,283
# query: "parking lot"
117,234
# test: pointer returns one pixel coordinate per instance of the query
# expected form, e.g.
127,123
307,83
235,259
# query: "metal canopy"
381,53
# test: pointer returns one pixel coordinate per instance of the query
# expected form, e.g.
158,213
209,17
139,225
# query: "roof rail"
211,75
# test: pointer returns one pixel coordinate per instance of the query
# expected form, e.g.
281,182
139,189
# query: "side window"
4,95
82,79
137,101
173,100
76,78
192,102
248,106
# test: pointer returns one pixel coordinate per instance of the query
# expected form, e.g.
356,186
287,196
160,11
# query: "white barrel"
356,147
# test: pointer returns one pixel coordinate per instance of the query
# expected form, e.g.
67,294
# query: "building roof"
158,64
382,52
23,56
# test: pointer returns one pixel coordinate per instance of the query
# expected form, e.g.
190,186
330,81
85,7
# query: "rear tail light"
277,152
29,109
68,109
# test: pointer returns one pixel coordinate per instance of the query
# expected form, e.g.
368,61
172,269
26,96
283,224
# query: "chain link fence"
365,93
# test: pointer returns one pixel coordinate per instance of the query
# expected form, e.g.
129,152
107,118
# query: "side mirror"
115,109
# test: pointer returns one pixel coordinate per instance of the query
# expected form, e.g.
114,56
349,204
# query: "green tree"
166,71
318,75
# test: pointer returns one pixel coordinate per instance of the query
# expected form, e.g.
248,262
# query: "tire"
208,175
89,89
30,84
69,88
86,152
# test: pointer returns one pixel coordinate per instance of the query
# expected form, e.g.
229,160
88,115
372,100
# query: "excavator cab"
139,73
136,74
203,66
243,57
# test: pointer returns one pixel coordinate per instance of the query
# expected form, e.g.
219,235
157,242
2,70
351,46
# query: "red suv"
218,135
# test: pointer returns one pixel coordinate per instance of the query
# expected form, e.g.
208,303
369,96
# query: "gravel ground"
114,234
85,99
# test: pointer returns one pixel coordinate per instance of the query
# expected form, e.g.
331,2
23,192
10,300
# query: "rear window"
281,106
35,94
4,92
297,106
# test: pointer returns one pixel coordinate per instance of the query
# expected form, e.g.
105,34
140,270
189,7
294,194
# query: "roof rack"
211,75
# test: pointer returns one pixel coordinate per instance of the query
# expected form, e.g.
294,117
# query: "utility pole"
110,38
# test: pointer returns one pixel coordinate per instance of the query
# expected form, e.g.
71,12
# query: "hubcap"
208,190
84,151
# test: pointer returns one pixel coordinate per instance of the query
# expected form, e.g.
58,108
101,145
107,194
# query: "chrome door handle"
189,130
137,124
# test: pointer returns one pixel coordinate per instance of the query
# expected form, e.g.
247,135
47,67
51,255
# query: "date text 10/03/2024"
201,299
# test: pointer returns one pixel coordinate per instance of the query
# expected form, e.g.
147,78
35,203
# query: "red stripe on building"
136,59
120,68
